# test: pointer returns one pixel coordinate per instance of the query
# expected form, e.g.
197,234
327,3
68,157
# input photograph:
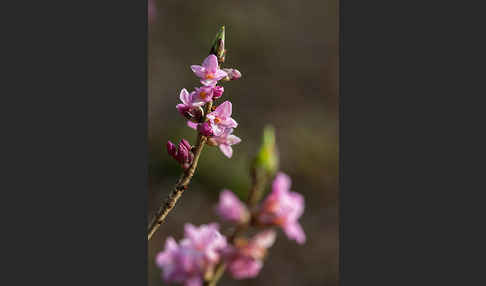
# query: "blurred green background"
287,52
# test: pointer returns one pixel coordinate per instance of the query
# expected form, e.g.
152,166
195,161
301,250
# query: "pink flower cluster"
280,208
219,125
202,248
245,258
194,257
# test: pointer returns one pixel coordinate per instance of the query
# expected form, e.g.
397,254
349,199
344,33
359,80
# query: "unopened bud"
267,157
232,74
205,129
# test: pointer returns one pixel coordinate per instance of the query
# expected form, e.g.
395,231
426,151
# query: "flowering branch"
214,125
181,185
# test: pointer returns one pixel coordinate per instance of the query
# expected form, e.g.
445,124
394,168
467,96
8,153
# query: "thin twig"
181,185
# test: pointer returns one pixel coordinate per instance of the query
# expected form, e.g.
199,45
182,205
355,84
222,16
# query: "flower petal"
294,231
226,149
199,71
282,182
192,125
185,96
224,109
211,63
233,139
220,74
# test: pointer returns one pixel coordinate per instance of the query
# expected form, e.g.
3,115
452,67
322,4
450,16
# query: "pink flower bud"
205,129
171,149
218,91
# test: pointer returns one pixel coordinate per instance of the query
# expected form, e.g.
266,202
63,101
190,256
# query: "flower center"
203,94
209,76
217,120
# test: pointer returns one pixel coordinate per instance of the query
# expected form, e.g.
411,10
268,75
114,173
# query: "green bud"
217,48
267,157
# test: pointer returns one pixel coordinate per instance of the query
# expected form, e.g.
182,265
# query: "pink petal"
185,96
211,63
208,82
233,139
195,281
224,109
265,239
192,125
220,74
230,123
199,71
294,231
282,182
226,149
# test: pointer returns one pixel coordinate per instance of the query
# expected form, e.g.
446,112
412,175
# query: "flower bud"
218,91
205,129
232,74
171,149
267,157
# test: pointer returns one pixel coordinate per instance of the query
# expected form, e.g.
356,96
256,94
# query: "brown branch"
181,185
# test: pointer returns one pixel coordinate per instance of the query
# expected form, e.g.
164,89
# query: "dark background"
287,52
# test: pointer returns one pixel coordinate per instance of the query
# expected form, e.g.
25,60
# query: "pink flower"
209,72
206,239
283,208
224,142
230,208
190,107
181,263
182,153
220,119
207,93
197,254
245,258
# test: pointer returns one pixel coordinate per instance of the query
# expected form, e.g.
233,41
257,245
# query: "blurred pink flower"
209,71
245,258
230,208
283,208
196,254
181,263
206,239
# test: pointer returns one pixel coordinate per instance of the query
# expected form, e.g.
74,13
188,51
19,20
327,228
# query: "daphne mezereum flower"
207,93
209,71
220,119
190,107
196,254
230,208
182,153
181,263
245,258
224,142
283,208
207,239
